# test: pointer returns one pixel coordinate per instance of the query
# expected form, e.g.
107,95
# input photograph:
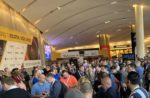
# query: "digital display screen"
48,52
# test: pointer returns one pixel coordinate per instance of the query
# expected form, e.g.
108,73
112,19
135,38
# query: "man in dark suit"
80,73
56,86
11,90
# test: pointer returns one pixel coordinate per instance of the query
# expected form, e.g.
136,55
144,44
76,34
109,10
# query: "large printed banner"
31,63
13,55
17,49
11,35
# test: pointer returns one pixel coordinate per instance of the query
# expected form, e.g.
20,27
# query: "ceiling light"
106,22
142,6
23,10
134,5
37,21
71,37
114,2
46,30
59,8
97,36
119,30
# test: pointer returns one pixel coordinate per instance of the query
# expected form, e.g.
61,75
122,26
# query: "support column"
133,38
104,45
139,30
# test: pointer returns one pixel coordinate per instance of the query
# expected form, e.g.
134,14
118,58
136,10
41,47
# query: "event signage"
127,57
13,55
91,53
70,54
11,35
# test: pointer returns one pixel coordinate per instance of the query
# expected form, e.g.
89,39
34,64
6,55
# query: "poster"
13,55
33,52
48,52
2,47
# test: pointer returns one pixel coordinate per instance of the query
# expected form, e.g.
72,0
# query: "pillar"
133,38
104,45
139,30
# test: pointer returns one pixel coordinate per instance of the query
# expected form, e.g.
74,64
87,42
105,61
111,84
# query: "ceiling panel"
76,22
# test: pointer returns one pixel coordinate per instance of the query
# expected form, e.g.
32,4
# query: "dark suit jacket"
15,93
55,90
110,93
78,75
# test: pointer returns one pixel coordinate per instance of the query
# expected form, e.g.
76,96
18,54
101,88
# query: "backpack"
63,91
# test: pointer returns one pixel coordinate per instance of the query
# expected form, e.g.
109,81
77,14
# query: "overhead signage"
70,54
11,35
91,53
127,57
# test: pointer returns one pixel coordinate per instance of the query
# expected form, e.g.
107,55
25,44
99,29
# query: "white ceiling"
78,21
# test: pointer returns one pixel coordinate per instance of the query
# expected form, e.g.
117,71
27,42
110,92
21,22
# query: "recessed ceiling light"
37,21
134,5
71,37
23,10
106,22
46,30
119,30
114,2
59,8
97,36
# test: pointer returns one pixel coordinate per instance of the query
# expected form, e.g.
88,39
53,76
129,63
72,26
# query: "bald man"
106,90
41,88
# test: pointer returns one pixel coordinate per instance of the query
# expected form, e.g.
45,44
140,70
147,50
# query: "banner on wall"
2,47
13,55
18,48
11,35
70,54
31,63
33,52
91,53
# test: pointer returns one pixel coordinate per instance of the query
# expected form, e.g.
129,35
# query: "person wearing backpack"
58,89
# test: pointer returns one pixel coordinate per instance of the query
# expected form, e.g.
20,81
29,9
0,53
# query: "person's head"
74,93
131,67
53,71
103,68
41,78
98,69
50,78
65,74
105,80
81,68
114,69
132,79
15,72
7,82
138,63
84,85
37,73
6,69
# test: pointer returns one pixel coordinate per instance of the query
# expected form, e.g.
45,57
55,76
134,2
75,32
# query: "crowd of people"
99,78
